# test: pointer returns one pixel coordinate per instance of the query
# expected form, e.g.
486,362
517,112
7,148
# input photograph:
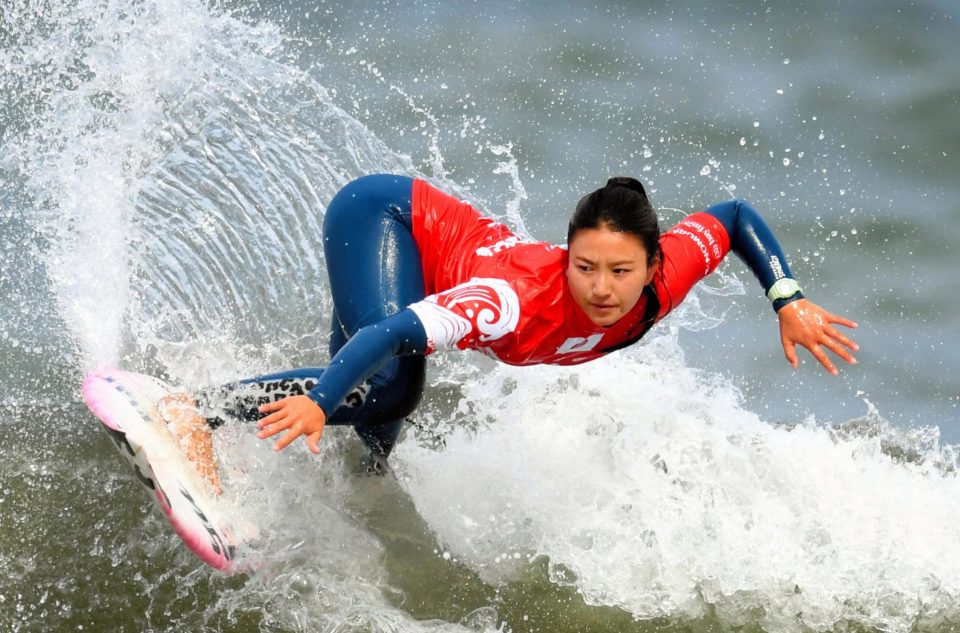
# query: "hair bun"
629,183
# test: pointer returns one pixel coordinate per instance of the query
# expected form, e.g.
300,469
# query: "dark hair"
622,206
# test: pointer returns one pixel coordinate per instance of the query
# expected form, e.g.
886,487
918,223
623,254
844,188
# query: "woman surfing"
414,271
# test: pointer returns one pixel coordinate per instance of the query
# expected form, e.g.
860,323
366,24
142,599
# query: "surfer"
414,271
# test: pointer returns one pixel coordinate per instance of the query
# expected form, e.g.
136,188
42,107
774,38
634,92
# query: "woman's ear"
652,269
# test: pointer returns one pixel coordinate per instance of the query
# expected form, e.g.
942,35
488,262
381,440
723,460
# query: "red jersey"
495,292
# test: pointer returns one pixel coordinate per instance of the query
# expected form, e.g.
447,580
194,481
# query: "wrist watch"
783,289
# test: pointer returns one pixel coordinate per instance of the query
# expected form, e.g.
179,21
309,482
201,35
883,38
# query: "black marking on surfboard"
166,497
123,445
131,399
216,542
120,440
146,481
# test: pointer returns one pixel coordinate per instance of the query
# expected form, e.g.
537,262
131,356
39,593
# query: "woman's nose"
601,284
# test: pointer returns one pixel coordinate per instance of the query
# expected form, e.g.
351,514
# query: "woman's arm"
753,241
363,354
801,321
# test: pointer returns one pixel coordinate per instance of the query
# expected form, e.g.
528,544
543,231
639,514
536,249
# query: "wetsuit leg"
243,399
338,338
375,271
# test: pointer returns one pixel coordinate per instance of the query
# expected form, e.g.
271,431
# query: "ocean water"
164,169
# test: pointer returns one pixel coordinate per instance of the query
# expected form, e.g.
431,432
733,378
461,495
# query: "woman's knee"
407,380
417,370
374,194
372,258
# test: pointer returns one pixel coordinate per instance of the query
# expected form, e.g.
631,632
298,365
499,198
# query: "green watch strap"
783,288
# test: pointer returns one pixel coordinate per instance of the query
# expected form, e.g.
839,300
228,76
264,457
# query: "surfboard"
125,403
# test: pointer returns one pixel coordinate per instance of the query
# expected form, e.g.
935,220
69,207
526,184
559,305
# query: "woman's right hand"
297,415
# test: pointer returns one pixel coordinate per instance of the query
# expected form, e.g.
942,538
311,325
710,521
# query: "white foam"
320,565
650,487
109,71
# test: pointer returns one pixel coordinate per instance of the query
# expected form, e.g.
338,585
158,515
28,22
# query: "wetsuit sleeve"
753,241
365,353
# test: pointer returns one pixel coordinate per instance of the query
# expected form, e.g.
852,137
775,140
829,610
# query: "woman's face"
607,272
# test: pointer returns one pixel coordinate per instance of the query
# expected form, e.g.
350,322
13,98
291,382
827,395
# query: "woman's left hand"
297,415
805,323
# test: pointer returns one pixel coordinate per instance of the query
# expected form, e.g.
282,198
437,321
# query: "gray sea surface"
164,169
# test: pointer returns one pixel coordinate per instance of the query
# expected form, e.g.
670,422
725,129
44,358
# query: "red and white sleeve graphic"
469,315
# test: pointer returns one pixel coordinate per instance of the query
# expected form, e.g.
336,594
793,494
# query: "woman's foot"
192,432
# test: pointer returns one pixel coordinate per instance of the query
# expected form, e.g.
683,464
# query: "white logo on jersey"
502,245
579,344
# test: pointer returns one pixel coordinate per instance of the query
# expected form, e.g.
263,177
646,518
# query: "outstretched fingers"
293,433
839,320
840,345
274,423
807,324
817,346
823,359
293,416
790,351
313,442
839,337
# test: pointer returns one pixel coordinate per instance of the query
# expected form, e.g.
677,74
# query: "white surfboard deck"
125,402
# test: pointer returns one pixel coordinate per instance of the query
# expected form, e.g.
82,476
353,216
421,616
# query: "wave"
173,163
646,485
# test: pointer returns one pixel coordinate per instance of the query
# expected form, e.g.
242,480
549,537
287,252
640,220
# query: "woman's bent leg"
375,271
